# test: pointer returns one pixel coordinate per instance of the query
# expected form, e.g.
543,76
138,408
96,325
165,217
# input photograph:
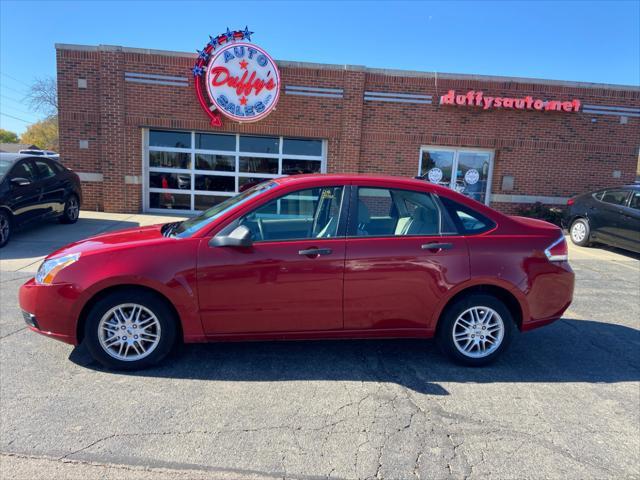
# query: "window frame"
490,224
30,164
454,167
47,162
352,223
343,216
238,175
626,201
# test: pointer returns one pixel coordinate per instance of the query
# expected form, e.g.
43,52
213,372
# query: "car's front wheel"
71,210
5,228
475,330
130,329
580,232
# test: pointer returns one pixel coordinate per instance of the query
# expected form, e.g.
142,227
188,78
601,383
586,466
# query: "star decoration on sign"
203,54
247,34
243,64
243,100
229,35
197,70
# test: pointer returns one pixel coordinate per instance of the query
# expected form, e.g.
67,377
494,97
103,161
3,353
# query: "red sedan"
306,257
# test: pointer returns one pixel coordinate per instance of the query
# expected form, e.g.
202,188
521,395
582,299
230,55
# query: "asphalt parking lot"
564,402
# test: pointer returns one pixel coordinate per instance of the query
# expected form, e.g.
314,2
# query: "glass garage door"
465,170
192,171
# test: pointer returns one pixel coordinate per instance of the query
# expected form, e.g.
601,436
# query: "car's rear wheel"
580,232
475,330
129,330
5,228
71,210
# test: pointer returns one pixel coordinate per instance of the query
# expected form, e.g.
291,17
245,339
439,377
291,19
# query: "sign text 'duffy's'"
478,99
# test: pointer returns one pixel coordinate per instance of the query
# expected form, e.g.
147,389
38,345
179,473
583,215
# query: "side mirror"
239,237
20,181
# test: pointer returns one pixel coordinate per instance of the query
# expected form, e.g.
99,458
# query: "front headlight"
50,268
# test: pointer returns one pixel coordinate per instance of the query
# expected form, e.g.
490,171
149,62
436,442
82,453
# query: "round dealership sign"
471,176
235,78
243,82
435,175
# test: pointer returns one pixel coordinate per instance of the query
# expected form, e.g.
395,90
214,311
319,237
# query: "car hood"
109,241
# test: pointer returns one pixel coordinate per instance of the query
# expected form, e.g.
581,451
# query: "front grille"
30,319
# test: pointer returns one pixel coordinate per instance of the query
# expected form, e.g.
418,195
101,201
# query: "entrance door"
289,280
465,170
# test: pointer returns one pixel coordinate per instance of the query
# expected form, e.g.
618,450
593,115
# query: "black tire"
447,323
154,304
580,232
71,211
6,227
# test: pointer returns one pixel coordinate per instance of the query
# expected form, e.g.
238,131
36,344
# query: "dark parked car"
610,216
33,189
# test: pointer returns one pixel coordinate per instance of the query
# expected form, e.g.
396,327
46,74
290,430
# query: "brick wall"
548,153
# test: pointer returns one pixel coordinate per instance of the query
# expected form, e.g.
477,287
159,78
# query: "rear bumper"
48,310
550,294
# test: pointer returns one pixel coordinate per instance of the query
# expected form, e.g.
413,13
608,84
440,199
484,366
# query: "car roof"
360,178
13,157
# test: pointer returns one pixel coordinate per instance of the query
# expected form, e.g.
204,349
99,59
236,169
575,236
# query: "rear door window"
615,197
44,169
467,220
384,212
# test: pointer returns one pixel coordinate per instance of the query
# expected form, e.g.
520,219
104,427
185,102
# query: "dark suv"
35,188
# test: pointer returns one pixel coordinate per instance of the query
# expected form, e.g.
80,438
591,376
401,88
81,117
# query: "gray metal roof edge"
362,68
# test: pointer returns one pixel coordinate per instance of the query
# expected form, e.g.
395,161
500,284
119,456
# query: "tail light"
570,202
558,251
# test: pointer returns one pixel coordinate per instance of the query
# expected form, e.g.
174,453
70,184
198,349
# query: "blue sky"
584,41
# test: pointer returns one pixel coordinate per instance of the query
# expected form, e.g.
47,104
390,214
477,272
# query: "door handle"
315,251
437,246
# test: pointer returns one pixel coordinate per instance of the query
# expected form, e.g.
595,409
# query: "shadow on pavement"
567,351
41,238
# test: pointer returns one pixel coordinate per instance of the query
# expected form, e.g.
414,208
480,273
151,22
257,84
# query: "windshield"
5,165
192,225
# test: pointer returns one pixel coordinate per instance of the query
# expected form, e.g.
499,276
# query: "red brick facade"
549,154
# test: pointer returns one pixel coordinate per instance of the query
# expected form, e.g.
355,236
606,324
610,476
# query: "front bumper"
50,309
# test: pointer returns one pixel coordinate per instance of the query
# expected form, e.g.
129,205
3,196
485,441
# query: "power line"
15,79
17,110
13,89
15,118
12,99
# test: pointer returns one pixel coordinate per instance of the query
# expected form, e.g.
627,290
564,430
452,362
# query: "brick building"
131,126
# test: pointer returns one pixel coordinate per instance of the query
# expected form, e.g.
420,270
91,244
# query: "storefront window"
298,146
465,170
207,141
193,171
161,138
259,144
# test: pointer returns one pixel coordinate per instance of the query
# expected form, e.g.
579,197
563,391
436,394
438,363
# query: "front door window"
466,171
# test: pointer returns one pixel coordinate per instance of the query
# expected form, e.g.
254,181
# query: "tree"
43,96
44,134
8,137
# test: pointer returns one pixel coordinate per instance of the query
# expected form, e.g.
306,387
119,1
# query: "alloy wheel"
4,229
478,332
578,232
129,332
73,209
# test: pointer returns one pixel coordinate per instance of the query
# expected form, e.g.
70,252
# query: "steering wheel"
260,228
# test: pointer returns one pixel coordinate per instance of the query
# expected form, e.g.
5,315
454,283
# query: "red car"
307,257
